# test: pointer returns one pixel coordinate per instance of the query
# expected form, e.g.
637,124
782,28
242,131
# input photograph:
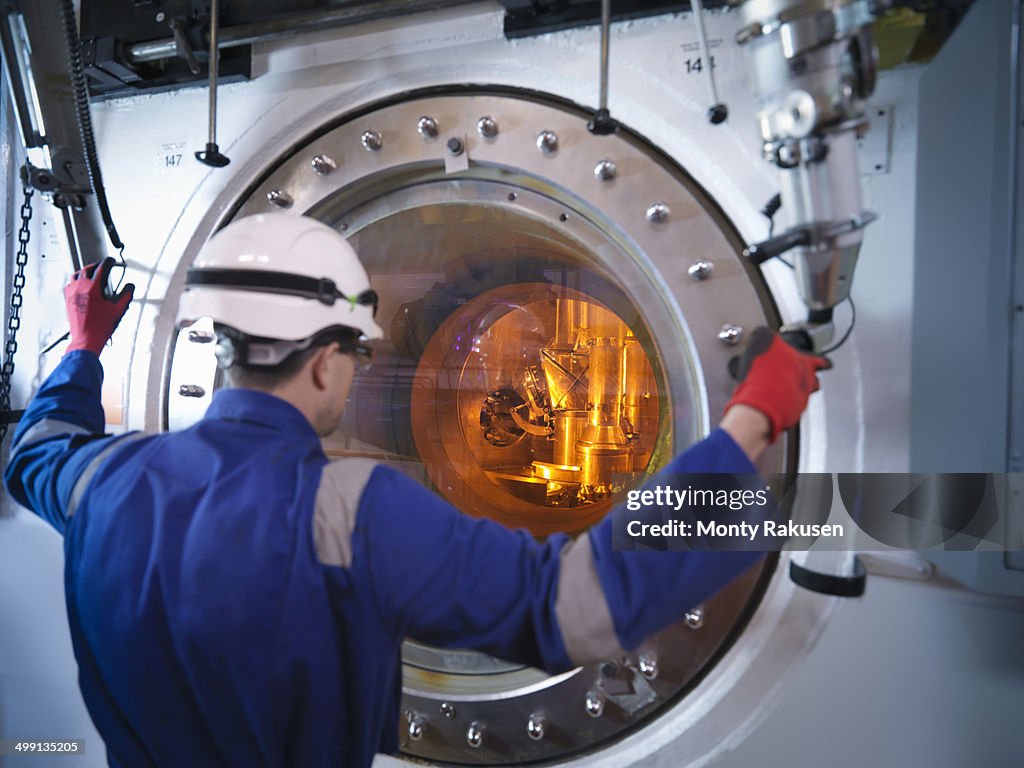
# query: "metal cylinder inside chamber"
548,346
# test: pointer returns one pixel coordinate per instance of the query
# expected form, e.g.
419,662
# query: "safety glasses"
360,351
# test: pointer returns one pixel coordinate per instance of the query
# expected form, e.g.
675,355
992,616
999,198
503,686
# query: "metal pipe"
45,75
345,14
19,89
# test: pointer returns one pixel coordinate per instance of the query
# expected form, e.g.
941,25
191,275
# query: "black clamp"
327,291
602,123
66,183
759,253
830,584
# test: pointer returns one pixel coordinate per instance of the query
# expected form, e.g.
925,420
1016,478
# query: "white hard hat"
280,276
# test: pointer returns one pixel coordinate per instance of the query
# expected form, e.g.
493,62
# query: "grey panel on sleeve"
581,607
337,502
78,490
44,429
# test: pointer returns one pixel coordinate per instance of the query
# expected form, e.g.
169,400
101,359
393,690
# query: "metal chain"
14,320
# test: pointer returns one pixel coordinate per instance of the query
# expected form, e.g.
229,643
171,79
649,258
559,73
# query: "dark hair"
267,378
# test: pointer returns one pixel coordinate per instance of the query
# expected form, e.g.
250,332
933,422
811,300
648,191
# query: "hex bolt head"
279,198
455,147
427,127
730,334
323,164
447,711
547,142
694,618
658,213
605,170
475,734
535,726
487,127
787,156
191,390
372,141
648,664
200,337
417,727
594,703
701,269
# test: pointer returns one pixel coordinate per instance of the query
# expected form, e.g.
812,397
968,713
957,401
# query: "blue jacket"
236,598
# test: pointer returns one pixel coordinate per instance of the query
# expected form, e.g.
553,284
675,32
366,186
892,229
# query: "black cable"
853,322
124,270
769,211
81,95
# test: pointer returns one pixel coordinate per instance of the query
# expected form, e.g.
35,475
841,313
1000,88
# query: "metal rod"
213,67
212,156
66,335
602,124
606,22
345,14
1014,460
705,54
71,232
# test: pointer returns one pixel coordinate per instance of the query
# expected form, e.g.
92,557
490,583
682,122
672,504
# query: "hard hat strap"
323,289
237,348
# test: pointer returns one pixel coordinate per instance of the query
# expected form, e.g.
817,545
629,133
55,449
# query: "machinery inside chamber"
553,398
514,373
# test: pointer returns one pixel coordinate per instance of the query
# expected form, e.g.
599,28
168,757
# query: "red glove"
92,312
777,380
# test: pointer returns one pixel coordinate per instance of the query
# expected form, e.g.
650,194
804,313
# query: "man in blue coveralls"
237,599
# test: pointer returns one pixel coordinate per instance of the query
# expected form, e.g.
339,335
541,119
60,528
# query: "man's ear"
320,365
